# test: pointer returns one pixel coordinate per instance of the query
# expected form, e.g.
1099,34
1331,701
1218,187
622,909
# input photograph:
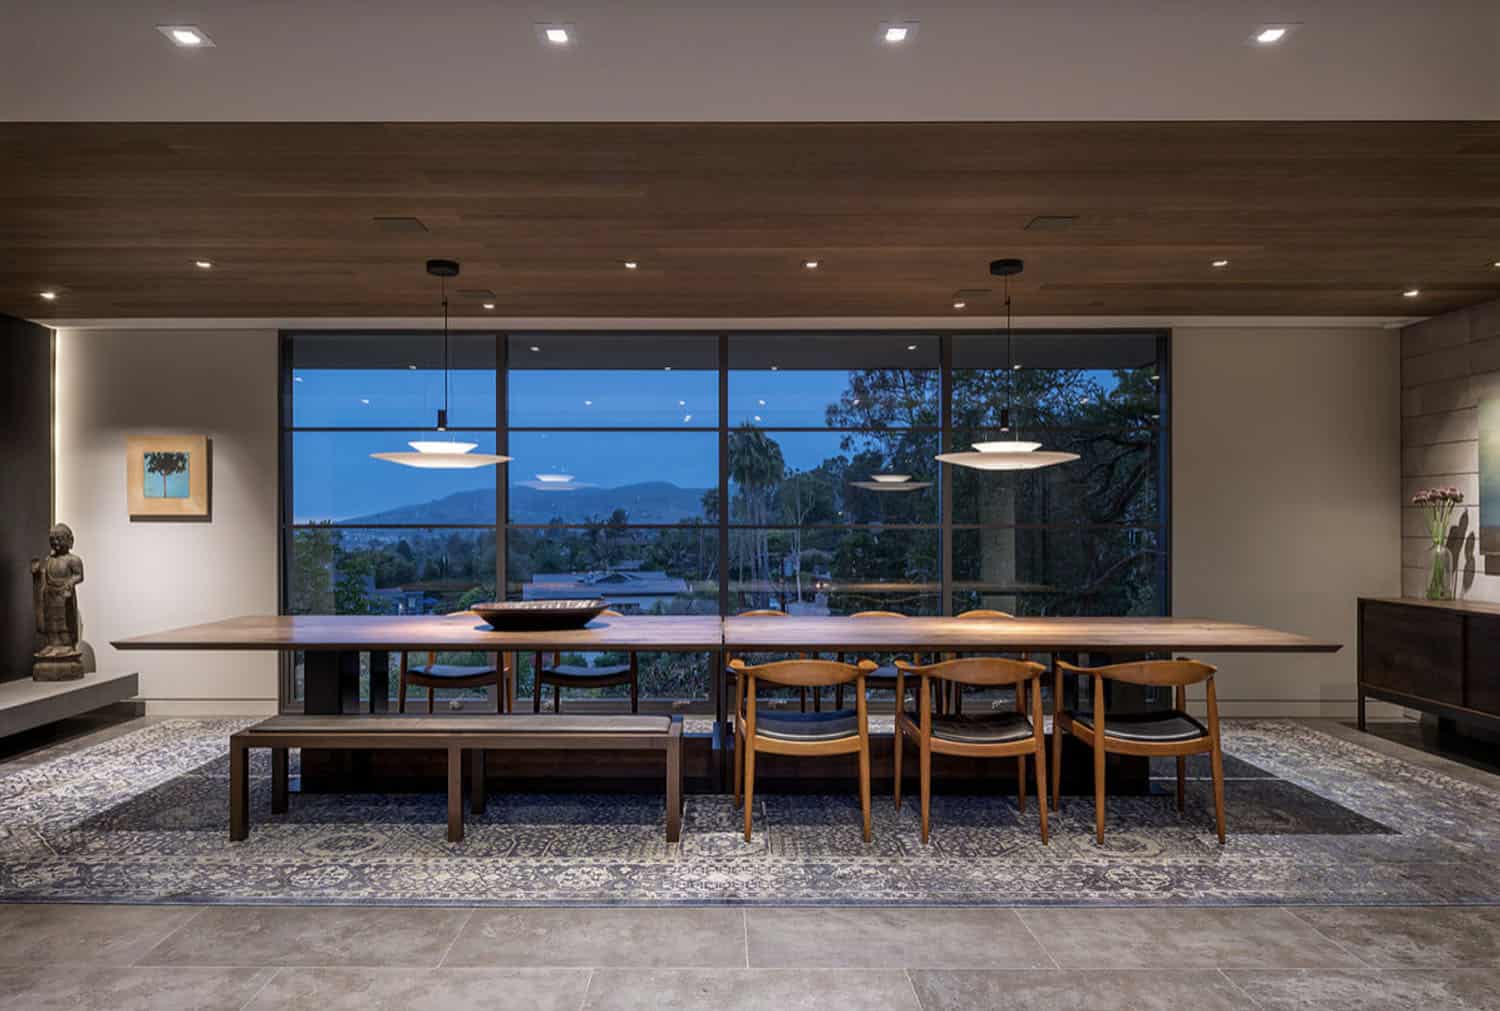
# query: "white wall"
148,576
1286,483
1286,498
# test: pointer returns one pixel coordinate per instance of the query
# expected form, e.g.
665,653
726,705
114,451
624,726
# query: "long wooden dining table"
331,644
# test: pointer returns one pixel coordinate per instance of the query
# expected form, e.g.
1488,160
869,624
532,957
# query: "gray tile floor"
123,957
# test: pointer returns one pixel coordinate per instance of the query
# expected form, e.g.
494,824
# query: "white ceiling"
641,60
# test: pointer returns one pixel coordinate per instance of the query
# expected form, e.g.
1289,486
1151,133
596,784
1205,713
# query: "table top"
686,633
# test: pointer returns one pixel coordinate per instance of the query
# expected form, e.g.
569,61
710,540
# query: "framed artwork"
167,475
1489,476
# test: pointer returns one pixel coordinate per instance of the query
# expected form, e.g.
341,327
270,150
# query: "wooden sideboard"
1437,656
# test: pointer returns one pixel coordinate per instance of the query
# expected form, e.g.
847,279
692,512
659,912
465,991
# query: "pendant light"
1012,453
436,454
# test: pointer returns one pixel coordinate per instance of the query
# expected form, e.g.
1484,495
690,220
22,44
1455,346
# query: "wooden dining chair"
839,732
1151,735
433,675
883,677
767,612
560,675
987,735
954,693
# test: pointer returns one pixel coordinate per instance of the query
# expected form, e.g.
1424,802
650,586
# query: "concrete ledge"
26,703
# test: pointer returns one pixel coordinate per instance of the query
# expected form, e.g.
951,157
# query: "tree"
756,466
166,464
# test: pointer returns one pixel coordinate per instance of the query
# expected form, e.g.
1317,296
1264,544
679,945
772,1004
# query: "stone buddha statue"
55,582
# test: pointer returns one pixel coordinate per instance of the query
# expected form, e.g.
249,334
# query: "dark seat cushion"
578,673
829,726
981,728
1162,728
448,670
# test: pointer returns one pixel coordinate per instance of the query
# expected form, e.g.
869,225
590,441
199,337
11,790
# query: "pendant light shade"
1012,453
437,454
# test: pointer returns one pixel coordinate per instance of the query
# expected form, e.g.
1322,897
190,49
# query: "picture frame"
1489,475
167,476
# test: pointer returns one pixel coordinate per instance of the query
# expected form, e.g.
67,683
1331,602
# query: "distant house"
624,589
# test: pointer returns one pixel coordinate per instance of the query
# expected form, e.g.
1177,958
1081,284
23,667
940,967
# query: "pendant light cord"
1010,360
443,414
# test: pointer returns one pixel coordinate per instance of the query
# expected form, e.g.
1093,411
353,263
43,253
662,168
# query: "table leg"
455,794
239,791
380,682
477,794
278,780
674,783
331,682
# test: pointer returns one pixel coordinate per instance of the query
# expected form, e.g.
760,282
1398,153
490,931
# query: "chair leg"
1217,759
1057,733
1020,784
899,743
749,782
1098,737
739,763
864,784
1181,783
1041,789
925,786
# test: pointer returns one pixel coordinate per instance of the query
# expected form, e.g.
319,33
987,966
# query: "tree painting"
166,465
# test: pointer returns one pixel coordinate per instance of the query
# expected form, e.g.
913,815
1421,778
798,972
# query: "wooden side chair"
956,695
560,675
883,677
988,735
840,732
433,675
1153,735
767,612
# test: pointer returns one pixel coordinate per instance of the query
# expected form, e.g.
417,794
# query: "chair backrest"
764,612
802,673
977,670
1152,673
877,614
980,612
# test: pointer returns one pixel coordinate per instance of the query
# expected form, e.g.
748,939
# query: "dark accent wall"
25,483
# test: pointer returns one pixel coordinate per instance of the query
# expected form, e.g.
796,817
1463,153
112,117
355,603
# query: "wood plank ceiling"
1314,218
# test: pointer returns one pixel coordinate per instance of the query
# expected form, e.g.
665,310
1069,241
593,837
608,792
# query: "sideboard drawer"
1414,650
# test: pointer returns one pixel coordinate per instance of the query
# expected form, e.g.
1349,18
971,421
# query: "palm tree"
757,467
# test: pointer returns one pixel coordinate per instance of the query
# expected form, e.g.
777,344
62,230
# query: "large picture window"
715,473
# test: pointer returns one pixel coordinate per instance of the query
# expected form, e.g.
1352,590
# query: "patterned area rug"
1312,819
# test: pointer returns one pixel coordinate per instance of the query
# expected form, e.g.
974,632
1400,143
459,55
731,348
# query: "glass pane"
1080,570
1114,481
647,477
342,570
834,380
334,478
396,380
807,478
613,381
822,571
652,571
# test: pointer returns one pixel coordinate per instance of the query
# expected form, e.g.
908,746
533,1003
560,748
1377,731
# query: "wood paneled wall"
26,490
1449,364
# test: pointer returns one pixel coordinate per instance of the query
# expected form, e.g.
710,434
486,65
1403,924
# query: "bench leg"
477,794
278,780
239,791
455,794
674,786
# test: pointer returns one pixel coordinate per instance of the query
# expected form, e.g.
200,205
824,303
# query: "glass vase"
1441,572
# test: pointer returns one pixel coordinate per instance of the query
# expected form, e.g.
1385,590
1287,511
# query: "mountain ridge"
644,502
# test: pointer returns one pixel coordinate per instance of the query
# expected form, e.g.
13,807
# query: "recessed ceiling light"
556,34
911,347
1411,293
1219,263
489,305
810,264
959,303
204,264
50,296
1269,35
186,36
535,348
1497,264
1016,367
896,32
631,264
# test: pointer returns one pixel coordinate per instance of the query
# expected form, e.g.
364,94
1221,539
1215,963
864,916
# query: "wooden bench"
475,734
